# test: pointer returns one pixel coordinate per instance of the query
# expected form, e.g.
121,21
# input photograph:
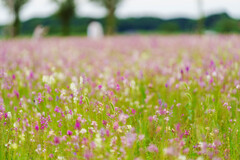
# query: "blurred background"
72,17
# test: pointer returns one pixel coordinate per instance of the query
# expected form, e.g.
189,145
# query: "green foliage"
228,26
110,6
65,12
169,27
15,7
132,25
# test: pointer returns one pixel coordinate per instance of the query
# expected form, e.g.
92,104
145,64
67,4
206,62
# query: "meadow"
123,97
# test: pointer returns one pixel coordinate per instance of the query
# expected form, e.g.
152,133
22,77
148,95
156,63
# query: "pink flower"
141,137
36,127
77,125
69,132
152,148
16,93
170,151
133,111
150,118
104,122
186,133
50,155
115,125
57,109
118,87
88,154
56,140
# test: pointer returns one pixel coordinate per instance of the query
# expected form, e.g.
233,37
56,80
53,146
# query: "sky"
130,8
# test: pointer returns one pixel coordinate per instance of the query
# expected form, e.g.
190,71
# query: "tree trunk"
65,27
111,22
16,25
200,25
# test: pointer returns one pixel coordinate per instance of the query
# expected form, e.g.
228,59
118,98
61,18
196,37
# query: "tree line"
67,10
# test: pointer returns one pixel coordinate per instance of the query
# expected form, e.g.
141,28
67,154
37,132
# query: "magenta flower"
36,127
57,109
77,125
56,140
104,122
133,111
16,94
69,132
118,87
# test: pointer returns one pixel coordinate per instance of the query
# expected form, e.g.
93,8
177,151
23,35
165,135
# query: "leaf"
189,97
87,100
112,107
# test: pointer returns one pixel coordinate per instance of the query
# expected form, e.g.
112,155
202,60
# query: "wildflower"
238,86
81,80
16,93
131,138
98,141
141,137
22,137
115,125
48,79
60,158
9,114
133,111
56,140
69,132
170,151
14,146
88,154
73,87
104,122
186,133
152,148
118,87
50,155
83,131
181,157
77,125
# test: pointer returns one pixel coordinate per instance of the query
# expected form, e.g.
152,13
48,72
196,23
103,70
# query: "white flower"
81,81
98,140
61,158
200,158
129,126
14,146
132,84
9,114
83,131
181,157
238,86
69,116
16,124
73,87
48,79
22,137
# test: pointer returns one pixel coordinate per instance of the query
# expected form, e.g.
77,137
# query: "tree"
65,12
227,25
111,6
200,26
15,7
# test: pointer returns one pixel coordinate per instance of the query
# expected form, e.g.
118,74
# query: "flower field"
125,97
